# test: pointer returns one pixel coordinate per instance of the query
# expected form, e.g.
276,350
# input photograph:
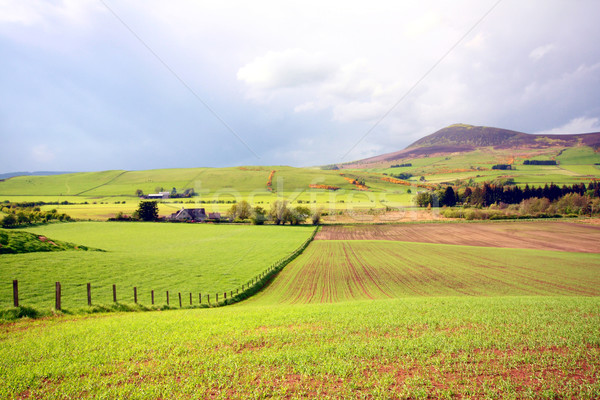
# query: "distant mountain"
460,138
35,173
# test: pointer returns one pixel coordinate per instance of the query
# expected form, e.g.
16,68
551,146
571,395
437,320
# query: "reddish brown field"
544,235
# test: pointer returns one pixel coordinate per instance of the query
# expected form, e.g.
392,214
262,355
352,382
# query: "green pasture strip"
587,170
180,258
579,156
448,347
338,270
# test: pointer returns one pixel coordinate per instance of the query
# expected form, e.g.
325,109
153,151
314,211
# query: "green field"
574,164
449,347
100,195
176,257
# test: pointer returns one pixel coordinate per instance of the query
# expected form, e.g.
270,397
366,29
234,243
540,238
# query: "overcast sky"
136,84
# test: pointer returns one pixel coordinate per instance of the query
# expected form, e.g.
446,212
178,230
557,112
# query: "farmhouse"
189,214
194,215
160,195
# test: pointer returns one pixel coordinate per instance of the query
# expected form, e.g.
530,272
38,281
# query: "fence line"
239,293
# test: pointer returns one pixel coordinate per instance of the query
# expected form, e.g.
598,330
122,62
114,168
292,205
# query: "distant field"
575,163
218,188
176,257
334,271
541,235
410,348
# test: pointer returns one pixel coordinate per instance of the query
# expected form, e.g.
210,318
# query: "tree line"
17,216
280,213
487,194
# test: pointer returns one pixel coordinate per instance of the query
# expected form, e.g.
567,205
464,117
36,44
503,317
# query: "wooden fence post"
16,293
217,298
200,297
190,298
208,298
225,295
114,293
152,294
89,293
167,297
135,295
179,299
57,304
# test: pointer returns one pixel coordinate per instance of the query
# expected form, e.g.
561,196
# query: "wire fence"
187,299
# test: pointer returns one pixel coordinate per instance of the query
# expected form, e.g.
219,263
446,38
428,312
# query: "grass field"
416,348
176,257
222,186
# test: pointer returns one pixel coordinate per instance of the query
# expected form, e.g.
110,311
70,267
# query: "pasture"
186,258
100,195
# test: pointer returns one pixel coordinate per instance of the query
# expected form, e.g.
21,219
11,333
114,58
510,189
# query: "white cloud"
424,24
574,126
476,42
34,12
539,52
286,69
359,111
42,154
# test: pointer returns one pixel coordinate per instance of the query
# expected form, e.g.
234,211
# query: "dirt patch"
561,236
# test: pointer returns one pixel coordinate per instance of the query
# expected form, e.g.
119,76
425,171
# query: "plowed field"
563,236
332,271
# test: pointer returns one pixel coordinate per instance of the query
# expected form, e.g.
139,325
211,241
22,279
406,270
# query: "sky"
88,85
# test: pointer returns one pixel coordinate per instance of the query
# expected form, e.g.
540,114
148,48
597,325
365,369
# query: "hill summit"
472,136
461,138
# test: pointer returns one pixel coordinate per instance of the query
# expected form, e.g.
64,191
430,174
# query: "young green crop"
449,347
332,271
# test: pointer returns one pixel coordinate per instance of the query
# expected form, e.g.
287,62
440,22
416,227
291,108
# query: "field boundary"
213,299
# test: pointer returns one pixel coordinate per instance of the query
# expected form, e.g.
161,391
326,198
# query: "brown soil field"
543,235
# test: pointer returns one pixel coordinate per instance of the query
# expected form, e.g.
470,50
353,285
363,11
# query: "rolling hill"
462,138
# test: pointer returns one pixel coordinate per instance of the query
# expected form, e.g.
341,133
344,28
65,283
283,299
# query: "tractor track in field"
104,184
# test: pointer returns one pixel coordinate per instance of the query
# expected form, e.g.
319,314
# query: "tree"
449,198
423,199
279,212
316,216
148,211
298,215
259,215
139,193
241,210
9,221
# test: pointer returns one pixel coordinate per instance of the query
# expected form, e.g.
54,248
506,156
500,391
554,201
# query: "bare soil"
543,235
